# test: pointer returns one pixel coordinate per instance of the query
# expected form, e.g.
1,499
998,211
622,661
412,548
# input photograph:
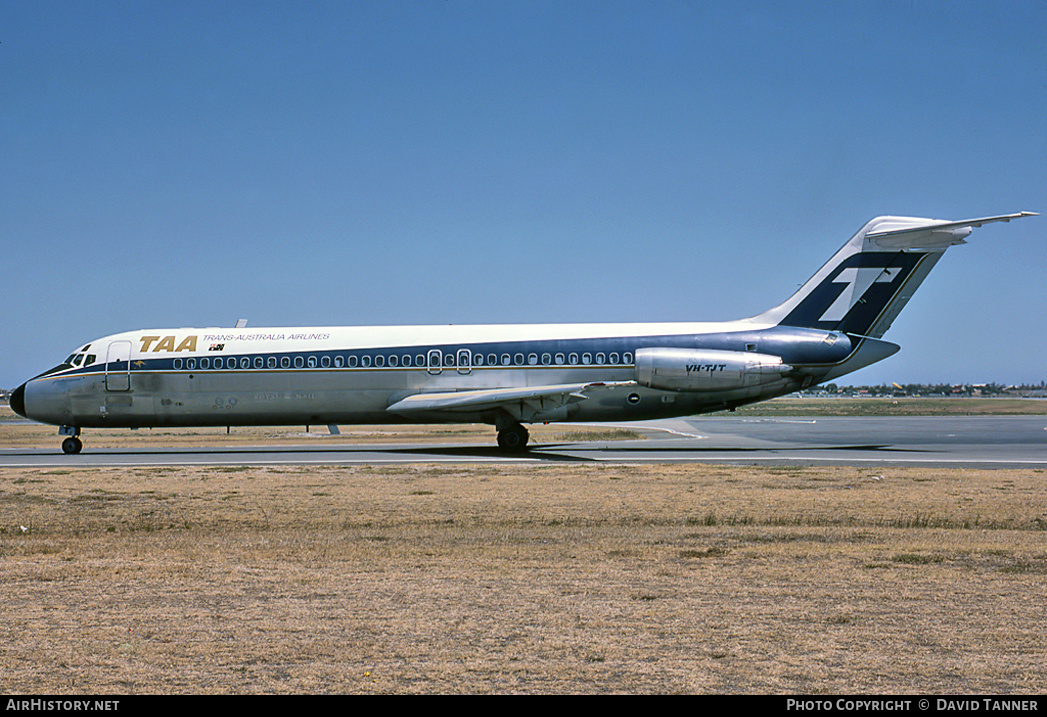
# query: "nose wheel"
72,445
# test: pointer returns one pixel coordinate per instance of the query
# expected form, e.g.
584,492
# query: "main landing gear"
71,445
513,438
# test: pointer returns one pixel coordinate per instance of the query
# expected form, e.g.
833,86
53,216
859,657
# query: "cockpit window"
70,359
78,359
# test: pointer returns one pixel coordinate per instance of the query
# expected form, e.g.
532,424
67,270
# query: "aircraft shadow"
549,451
546,452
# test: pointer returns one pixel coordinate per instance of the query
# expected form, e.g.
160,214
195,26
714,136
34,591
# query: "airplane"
504,375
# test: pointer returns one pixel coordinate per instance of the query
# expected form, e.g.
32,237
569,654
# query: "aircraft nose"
18,401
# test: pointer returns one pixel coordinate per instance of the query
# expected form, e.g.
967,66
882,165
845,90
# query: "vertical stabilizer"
867,283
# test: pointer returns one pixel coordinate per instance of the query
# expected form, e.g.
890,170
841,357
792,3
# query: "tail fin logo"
858,280
859,292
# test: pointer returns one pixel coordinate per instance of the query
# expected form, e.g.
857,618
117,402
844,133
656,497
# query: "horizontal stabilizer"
902,233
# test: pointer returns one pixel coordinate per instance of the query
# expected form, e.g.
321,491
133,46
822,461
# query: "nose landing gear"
72,444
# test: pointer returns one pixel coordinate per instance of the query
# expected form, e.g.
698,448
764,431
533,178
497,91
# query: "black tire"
513,439
72,445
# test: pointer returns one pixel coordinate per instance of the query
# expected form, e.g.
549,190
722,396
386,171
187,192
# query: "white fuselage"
320,375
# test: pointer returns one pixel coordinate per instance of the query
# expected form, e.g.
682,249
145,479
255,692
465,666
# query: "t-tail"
866,284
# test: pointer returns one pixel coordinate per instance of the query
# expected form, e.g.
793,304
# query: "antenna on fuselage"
241,323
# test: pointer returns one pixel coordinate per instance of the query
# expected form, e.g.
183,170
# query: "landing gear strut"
513,438
72,444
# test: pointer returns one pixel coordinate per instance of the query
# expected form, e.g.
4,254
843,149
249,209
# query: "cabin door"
465,361
118,366
434,361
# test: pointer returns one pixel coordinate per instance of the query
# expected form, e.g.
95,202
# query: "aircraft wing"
523,404
923,234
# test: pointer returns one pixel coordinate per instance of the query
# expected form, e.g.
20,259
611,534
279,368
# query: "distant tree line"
931,390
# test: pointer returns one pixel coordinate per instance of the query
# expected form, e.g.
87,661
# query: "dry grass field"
553,578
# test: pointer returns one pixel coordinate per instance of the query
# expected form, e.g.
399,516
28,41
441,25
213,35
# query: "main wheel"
72,445
513,439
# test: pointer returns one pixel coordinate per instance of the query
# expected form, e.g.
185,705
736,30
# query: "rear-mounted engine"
706,369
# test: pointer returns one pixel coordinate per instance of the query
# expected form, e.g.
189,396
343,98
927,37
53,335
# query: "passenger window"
365,361
478,360
379,360
613,358
546,359
572,359
406,360
177,364
353,361
339,362
394,360
245,362
492,359
218,362
627,358
519,359
599,358
299,362
272,362
587,359
205,363
448,359
559,359
505,359
419,360
285,362
325,361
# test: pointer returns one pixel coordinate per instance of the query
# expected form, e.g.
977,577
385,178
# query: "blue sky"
339,163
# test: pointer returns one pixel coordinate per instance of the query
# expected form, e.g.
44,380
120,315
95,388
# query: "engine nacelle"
706,369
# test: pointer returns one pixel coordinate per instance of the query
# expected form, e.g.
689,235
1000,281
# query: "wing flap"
524,404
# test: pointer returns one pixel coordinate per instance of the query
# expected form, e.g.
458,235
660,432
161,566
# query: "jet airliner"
503,375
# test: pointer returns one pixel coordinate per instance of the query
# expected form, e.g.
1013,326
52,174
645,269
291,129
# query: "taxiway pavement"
965,441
